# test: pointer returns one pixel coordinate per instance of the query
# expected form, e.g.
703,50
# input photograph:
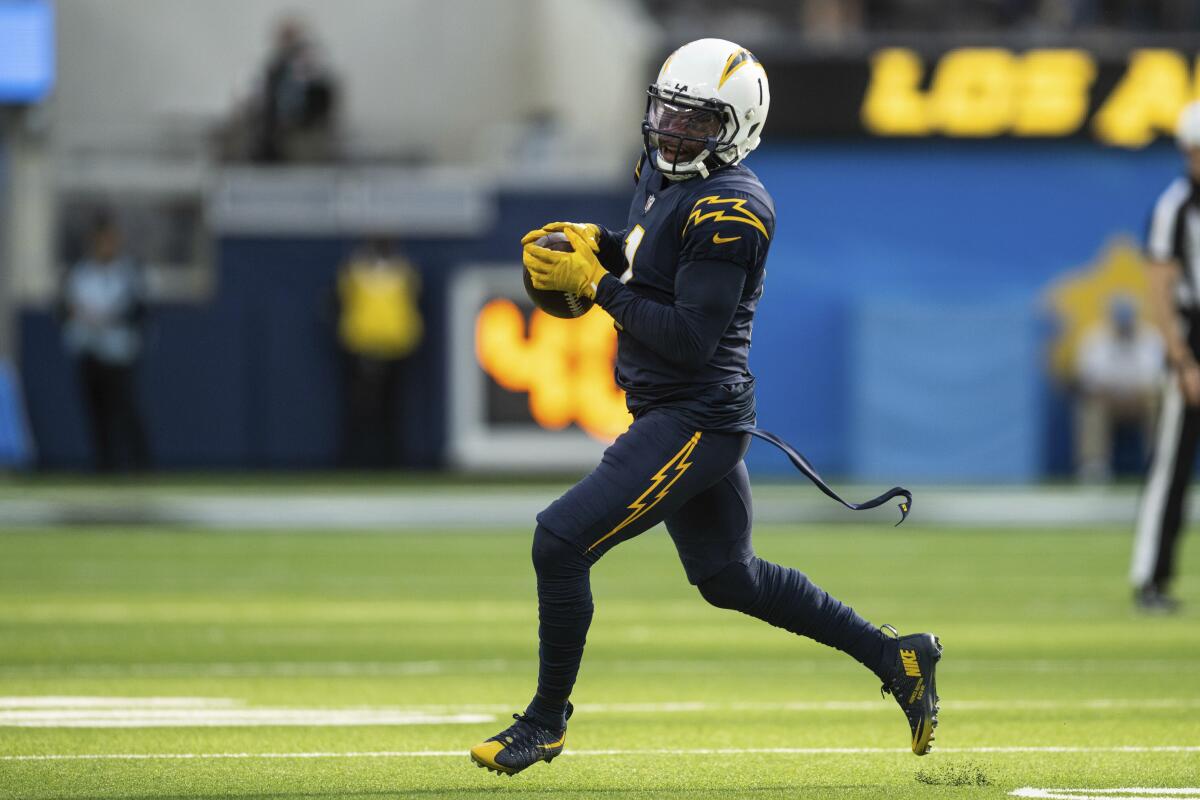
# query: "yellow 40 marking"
980,92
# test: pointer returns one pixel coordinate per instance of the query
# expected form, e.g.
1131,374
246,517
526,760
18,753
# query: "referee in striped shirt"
1174,275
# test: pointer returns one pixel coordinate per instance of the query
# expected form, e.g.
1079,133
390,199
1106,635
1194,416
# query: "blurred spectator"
103,306
831,20
292,116
1119,367
298,101
379,326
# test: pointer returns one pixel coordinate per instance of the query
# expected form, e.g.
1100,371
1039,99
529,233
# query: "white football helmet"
1187,130
706,109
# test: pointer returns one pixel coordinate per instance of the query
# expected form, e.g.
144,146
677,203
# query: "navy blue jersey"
714,232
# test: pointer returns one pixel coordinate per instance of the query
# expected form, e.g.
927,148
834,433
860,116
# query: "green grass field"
167,636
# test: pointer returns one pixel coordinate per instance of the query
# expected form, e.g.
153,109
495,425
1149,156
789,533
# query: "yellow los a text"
566,366
980,92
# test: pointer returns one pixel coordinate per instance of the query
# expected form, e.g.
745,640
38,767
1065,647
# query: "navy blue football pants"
663,470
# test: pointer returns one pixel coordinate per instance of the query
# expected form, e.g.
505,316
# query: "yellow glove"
578,271
590,233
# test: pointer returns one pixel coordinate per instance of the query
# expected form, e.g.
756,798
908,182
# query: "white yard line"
180,712
56,711
302,669
88,701
1030,791
232,718
1132,793
651,752
687,706
287,669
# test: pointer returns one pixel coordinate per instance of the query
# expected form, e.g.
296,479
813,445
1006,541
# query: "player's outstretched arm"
687,331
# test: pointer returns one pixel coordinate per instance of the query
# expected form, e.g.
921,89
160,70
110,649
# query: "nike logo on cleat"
909,659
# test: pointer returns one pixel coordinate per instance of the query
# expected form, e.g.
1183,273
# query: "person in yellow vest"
379,326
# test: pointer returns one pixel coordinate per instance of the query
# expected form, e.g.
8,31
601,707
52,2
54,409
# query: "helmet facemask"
681,133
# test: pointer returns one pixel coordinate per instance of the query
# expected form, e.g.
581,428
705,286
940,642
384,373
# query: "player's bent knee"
735,587
552,553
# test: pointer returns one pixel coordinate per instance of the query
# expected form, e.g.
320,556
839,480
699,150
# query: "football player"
682,282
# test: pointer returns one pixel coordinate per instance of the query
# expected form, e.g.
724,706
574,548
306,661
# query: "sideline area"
420,502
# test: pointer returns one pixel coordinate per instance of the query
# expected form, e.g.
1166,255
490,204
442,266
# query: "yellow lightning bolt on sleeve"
736,212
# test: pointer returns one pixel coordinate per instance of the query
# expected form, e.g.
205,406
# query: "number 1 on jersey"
632,240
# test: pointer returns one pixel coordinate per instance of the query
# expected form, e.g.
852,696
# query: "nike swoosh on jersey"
719,239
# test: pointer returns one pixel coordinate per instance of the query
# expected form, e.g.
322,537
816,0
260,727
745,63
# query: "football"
565,305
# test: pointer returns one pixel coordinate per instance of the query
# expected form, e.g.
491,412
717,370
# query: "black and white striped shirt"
1174,235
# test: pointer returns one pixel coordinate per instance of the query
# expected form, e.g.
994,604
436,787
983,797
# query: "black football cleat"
912,685
1151,599
521,745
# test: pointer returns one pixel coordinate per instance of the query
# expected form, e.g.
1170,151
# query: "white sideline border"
786,501
806,751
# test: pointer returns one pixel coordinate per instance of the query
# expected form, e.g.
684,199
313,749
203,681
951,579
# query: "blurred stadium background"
962,189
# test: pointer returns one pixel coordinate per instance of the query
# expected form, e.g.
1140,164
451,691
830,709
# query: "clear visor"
679,132
684,121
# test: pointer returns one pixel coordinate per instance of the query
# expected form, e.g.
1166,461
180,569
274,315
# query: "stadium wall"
252,378
901,334
943,227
